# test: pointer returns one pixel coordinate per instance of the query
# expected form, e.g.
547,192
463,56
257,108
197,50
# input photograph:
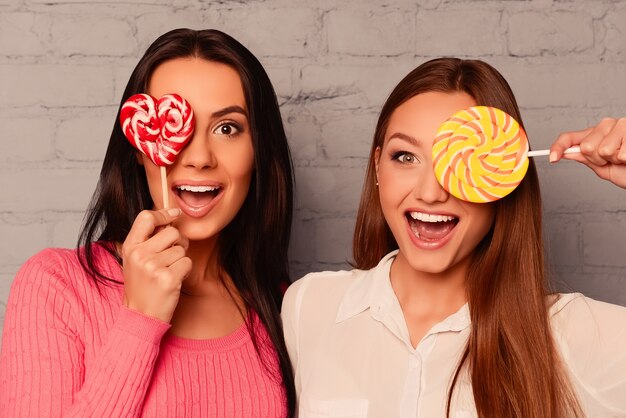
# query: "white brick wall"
64,64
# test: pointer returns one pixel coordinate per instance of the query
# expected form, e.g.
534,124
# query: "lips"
430,230
197,199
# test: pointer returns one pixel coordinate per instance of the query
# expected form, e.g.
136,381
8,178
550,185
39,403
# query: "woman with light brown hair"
448,312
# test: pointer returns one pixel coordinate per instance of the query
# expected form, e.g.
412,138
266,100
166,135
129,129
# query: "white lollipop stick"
541,152
166,198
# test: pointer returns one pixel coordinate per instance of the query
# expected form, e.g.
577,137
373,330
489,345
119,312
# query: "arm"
602,148
42,362
42,370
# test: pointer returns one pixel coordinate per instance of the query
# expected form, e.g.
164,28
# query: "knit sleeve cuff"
141,326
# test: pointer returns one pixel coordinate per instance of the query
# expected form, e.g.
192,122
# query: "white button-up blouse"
352,355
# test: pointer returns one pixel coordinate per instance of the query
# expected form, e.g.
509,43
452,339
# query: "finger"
181,268
567,140
164,239
621,155
610,147
590,145
170,256
147,222
162,260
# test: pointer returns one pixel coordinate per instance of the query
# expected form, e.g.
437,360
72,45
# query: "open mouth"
197,200
430,227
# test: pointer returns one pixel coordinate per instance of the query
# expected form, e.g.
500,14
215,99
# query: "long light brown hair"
510,355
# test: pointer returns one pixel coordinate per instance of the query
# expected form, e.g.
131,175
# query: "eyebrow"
230,109
407,138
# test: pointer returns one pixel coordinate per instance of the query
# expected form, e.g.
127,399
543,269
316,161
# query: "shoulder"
321,291
591,336
314,283
57,270
577,307
51,262
588,331
312,303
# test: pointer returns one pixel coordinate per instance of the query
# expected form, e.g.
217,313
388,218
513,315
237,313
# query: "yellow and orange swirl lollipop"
480,154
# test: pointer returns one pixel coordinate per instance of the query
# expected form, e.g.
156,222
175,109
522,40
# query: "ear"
139,157
376,161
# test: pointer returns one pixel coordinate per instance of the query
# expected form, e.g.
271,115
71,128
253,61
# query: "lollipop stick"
541,152
166,199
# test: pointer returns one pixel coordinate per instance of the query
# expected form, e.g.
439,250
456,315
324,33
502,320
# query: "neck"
432,296
206,269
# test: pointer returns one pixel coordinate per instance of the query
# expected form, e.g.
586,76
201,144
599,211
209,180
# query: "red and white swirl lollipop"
158,128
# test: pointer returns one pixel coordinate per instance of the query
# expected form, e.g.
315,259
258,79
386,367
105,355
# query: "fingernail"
173,212
552,157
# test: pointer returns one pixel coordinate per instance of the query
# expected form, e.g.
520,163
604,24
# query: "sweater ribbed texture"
70,349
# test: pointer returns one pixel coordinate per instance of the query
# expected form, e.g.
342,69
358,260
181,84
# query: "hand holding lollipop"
158,128
481,154
602,148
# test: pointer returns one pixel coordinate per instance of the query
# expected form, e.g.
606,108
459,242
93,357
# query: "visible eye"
404,157
227,128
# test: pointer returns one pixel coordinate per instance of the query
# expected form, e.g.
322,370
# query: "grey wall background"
64,64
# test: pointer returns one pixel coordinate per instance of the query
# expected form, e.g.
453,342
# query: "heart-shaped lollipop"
158,128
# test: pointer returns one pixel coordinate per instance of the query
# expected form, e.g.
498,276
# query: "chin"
198,232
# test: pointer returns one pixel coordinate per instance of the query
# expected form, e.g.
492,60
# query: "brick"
353,87
26,139
597,236
85,138
121,75
302,244
303,135
5,284
55,85
329,190
615,38
563,240
573,188
565,82
20,242
152,25
41,189
609,288
459,33
333,238
19,34
534,33
281,78
65,231
92,35
543,126
349,137
373,30
286,31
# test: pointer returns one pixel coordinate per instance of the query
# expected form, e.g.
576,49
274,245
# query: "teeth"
426,217
198,189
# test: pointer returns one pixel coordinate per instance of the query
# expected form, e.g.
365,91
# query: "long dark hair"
512,358
253,246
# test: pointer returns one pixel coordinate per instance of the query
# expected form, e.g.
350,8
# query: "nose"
428,189
198,153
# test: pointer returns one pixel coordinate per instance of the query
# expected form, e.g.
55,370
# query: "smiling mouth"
430,227
197,196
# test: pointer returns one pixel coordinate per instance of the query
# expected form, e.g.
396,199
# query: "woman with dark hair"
448,312
168,312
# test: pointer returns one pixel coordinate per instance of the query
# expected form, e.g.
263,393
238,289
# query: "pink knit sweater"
68,350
